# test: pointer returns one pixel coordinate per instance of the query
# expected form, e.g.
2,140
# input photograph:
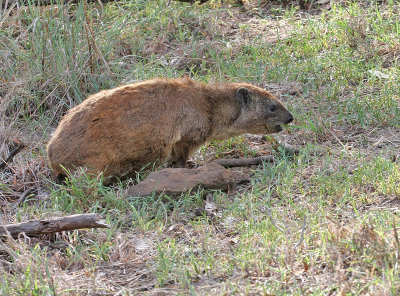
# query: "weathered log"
37,227
175,181
240,162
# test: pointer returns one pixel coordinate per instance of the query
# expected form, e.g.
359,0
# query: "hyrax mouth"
275,129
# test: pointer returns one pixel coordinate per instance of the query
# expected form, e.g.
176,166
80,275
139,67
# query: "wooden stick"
6,4
240,162
73,222
289,148
190,1
14,152
286,146
23,197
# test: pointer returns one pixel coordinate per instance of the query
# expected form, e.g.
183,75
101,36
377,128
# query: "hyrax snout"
122,130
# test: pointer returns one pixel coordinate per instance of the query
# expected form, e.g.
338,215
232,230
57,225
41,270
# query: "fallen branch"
37,227
7,4
240,162
14,152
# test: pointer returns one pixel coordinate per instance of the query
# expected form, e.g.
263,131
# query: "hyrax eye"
272,108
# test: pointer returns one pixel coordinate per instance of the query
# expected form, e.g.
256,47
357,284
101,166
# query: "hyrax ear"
243,96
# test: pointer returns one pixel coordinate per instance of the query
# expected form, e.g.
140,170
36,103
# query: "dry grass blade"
318,117
7,11
302,233
267,210
396,235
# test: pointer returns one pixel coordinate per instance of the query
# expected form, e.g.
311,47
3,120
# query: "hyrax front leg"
180,155
179,163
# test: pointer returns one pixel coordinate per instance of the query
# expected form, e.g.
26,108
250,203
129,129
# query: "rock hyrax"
122,130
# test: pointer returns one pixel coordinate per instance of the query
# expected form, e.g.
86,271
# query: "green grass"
319,223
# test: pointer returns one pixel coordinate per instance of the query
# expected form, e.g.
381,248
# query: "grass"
324,222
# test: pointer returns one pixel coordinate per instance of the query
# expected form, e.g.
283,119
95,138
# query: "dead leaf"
378,74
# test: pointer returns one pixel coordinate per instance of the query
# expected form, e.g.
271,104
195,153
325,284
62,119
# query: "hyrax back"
122,130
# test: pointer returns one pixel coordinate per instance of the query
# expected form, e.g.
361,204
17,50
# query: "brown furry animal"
122,130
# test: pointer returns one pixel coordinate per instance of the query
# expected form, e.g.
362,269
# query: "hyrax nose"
290,119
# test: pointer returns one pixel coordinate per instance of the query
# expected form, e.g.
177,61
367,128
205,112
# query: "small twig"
302,233
88,32
10,157
190,1
243,181
23,197
240,162
287,147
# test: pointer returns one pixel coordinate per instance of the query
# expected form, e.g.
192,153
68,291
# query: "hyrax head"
261,112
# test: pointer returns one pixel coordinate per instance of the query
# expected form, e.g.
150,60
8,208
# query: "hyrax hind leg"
119,171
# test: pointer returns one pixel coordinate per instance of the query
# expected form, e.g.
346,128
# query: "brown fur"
119,131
